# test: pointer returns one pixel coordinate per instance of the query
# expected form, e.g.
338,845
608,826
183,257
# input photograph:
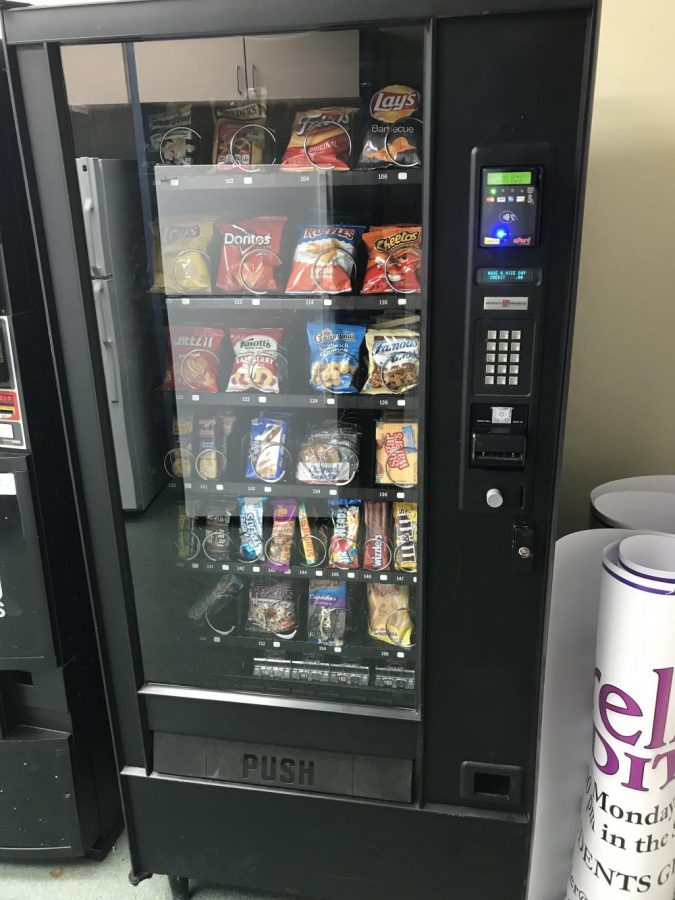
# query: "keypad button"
515,357
501,370
492,335
503,335
513,370
501,379
489,370
515,335
503,357
489,357
503,347
515,348
491,346
513,379
489,379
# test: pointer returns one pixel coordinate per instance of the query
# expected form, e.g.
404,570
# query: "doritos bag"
320,139
250,255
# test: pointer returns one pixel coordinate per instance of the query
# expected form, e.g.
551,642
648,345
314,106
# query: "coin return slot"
490,784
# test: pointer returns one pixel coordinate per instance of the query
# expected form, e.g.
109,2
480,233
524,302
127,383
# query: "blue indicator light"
501,233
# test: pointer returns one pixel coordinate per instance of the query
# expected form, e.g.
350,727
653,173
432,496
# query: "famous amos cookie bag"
394,134
393,357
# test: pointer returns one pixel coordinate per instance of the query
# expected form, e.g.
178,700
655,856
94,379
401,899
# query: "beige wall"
621,413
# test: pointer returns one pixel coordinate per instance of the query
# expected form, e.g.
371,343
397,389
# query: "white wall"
621,414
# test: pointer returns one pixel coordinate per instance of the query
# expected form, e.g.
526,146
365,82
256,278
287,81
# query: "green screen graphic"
509,178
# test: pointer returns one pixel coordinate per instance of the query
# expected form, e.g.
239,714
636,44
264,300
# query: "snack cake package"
326,612
267,440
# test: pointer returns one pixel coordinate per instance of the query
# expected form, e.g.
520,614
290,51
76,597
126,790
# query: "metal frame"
33,37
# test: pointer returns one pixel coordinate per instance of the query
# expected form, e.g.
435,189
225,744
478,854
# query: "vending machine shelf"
209,178
194,490
307,572
323,401
285,303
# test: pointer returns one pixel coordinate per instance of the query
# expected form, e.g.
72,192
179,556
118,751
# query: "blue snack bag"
334,356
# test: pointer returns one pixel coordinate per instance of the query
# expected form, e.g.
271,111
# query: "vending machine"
357,233
59,793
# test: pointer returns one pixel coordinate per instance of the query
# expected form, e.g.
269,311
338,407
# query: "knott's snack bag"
239,136
185,259
256,359
324,261
320,139
394,258
392,139
192,359
250,255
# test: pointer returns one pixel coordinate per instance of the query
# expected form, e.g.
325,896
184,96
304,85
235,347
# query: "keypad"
506,343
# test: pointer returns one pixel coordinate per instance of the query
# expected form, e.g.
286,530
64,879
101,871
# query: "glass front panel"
253,211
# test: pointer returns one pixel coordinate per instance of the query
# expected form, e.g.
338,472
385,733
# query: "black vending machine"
59,795
342,377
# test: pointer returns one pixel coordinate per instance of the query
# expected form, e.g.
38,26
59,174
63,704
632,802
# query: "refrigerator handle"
95,270
109,350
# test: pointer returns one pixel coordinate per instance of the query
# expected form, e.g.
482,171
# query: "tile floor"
84,879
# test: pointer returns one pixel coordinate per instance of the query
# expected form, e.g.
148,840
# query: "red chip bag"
250,254
394,258
192,361
320,139
324,261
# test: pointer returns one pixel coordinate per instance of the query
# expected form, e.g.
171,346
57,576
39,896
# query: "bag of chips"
192,359
272,608
251,547
388,614
327,612
238,138
405,536
393,360
393,138
186,263
188,544
256,359
334,356
250,255
178,461
396,450
173,140
266,452
320,139
280,545
324,261
394,259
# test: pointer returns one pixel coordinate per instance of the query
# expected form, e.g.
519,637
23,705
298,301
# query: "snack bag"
173,141
343,550
212,457
393,360
186,264
376,548
324,261
396,448
272,608
178,461
217,544
388,614
405,536
392,139
309,550
394,259
251,547
256,359
250,255
320,139
187,542
266,449
334,356
280,545
238,138
329,454
326,612
192,360
220,608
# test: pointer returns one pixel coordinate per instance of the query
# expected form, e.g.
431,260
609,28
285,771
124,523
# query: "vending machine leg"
180,887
